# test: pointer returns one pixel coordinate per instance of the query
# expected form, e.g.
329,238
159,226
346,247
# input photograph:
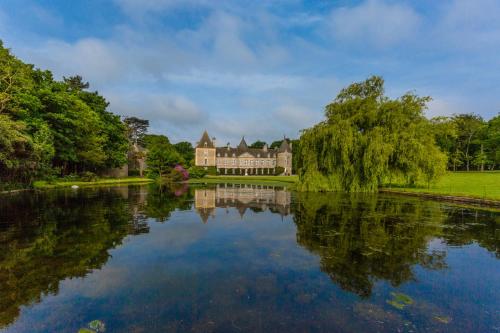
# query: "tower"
205,152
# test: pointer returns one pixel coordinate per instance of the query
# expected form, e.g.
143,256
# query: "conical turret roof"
243,144
205,141
285,146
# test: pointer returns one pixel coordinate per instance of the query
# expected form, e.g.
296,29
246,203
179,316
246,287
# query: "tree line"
54,128
470,142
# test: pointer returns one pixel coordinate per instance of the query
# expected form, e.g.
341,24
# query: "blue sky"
262,69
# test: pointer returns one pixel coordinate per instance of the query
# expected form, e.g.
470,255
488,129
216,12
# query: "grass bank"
479,185
104,181
285,181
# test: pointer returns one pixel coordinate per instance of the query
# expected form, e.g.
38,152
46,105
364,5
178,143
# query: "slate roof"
205,139
285,146
222,151
243,148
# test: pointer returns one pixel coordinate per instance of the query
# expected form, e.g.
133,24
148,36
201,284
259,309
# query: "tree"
136,129
75,83
492,142
367,138
48,125
161,155
258,144
468,125
276,144
186,150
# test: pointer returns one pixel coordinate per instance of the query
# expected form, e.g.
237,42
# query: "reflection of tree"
55,236
465,227
163,200
364,238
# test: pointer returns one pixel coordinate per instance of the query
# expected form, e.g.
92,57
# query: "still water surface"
245,259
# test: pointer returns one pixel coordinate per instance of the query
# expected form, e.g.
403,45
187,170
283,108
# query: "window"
206,161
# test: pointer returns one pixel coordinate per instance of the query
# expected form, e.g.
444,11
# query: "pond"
242,258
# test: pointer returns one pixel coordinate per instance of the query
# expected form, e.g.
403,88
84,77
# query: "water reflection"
363,238
257,276
258,198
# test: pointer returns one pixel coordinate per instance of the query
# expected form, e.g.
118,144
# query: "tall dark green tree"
161,155
186,150
136,129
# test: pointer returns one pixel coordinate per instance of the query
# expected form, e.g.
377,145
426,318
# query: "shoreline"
445,197
282,181
40,185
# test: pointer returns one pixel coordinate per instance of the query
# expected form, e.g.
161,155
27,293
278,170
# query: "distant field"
284,181
483,185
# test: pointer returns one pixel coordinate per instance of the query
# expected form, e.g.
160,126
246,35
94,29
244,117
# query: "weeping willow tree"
368,139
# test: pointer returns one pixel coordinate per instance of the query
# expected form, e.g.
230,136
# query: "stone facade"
242,159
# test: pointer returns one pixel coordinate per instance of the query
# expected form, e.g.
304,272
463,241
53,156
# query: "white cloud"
297,116
97,60
135,8
171,109
472,25
375,22
445,106
247,82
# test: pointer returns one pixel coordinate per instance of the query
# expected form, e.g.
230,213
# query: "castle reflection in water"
242,197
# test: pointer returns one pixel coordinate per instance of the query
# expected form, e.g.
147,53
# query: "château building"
243,160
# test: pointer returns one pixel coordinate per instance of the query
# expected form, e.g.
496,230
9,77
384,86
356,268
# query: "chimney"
265,147
213,140
228,146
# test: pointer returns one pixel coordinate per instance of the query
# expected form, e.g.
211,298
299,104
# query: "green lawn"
284,181
483,185
105,181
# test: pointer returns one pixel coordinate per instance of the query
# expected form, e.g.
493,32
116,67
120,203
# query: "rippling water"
233,258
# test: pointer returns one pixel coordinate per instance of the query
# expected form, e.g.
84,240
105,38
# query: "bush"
134,173
52,179
88,176
278,170
212,171
197,172
71,177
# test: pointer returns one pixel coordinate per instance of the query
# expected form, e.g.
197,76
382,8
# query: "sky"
262,69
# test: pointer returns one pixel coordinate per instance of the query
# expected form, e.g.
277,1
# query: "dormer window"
205,144
258,155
